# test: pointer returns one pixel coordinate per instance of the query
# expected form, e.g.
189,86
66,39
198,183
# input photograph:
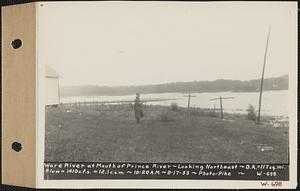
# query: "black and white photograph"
181,83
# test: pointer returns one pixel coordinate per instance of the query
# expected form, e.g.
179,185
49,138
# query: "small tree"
174,106
251,112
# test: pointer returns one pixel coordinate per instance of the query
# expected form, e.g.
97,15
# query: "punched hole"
17,43
16,146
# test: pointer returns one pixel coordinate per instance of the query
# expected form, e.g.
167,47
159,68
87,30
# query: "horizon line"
114,86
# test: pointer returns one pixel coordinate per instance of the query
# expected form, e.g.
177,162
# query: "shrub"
166,117
251,114
202,112
213,113
174,106
198,112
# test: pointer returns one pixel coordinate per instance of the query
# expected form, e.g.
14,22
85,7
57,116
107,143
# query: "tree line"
277,83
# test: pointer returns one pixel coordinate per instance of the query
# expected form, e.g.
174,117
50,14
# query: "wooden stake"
221,103
221,107
188,110
189,103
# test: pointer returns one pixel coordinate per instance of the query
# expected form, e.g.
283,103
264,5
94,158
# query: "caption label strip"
106,170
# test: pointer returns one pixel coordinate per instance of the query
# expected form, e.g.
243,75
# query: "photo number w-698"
271,184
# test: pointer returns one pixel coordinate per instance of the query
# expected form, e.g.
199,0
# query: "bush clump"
198,113
166,117
201,112
213,113
251,114
174,106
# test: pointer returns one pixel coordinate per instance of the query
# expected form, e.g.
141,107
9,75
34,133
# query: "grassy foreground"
96,134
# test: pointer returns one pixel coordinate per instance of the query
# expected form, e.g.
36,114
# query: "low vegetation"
174,106
111,134
202,112
251,113
166,117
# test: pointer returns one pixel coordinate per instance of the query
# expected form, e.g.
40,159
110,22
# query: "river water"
273,102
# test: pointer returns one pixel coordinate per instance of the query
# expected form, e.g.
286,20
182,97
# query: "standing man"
138,110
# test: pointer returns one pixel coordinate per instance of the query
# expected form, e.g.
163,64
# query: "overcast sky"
125,43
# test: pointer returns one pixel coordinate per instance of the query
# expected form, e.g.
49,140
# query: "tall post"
221,103
221,107
262,76
188,109
189,103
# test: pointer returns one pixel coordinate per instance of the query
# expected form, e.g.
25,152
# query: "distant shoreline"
270,84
